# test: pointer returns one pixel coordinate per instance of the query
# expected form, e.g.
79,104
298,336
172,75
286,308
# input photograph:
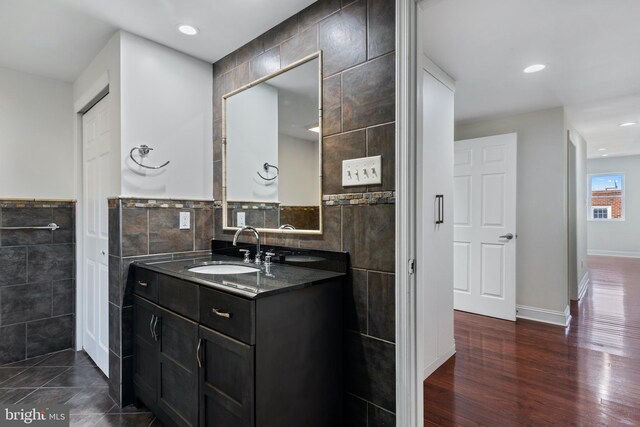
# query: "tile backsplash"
37,279
145,230
357,40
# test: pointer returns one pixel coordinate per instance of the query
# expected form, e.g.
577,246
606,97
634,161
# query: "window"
601,212
607,197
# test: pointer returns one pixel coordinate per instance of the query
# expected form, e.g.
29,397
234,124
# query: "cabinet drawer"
231,315
179,296
145,283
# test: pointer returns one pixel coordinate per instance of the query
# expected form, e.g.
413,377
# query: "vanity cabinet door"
145,352
227,390
178,368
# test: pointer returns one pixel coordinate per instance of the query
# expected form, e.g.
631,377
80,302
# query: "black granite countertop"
266,281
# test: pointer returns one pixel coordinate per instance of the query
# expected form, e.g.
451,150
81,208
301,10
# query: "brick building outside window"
607,197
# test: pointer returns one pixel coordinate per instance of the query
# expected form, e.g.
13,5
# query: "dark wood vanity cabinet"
165,362
232,361
226,381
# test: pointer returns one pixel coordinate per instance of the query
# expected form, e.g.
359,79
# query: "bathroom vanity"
262,348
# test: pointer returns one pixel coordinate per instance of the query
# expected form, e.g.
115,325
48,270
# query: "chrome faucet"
258,259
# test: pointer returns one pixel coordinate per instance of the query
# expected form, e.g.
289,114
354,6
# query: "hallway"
528,373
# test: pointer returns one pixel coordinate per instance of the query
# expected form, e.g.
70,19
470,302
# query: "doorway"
96,159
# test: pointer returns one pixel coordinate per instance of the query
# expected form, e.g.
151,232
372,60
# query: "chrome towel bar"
143,151
266,168
53,227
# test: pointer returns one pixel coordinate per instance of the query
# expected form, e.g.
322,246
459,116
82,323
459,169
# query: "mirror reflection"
272,152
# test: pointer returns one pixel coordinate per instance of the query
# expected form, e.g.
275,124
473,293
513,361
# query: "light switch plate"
241,219
363,171
185,220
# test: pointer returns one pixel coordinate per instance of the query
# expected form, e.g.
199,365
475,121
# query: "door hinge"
412,266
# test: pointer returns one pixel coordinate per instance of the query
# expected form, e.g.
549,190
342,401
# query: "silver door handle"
155,325
507,236
217,312
151,327
198,353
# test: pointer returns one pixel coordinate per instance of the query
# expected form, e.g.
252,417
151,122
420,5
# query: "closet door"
435,223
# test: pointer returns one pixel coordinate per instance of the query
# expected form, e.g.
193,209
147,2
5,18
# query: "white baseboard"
623,254
438,362
543,315
584,284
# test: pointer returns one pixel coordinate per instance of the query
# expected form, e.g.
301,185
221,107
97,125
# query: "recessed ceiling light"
602,149
315,129
605,155
188,30
628,124
534,68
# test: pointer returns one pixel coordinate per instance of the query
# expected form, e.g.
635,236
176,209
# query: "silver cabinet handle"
151,326
507,236
198,353
155,325
217,312
440,204
143,284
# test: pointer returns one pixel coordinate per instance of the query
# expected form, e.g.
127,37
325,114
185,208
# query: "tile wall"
145,230
37,279
357,39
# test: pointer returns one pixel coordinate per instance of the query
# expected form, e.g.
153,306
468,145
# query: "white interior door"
485,172
95,233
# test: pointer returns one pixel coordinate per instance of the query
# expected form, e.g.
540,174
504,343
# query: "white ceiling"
58,38
590,48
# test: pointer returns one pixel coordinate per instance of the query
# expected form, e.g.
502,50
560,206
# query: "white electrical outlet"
240,222
185,220
363,171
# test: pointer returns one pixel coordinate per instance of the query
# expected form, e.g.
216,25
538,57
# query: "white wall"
581,201
252,140
541,256
618,238
167,105
299,182
103,72
36,137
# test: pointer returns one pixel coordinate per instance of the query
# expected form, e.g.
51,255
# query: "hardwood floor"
528,373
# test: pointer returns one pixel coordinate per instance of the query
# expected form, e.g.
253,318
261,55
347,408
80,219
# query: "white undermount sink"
223,269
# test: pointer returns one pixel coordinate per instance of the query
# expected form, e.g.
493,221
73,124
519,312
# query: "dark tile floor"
70,378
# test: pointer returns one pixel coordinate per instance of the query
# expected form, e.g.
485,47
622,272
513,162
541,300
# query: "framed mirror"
272,151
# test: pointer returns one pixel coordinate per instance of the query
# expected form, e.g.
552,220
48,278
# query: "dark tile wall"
357,39
37,279
145,230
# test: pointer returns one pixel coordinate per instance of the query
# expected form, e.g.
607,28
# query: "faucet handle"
246,255
267,257
258,259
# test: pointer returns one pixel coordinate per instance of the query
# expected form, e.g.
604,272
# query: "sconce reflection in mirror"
266,168
143,151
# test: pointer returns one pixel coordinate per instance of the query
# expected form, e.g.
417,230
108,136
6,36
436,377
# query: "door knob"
507,236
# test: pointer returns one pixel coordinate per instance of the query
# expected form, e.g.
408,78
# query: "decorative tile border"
37,203
160,203
252,205
375,198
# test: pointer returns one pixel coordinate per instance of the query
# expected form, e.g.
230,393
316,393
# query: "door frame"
82,104
409,405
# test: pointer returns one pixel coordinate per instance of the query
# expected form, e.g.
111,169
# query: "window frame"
590,197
